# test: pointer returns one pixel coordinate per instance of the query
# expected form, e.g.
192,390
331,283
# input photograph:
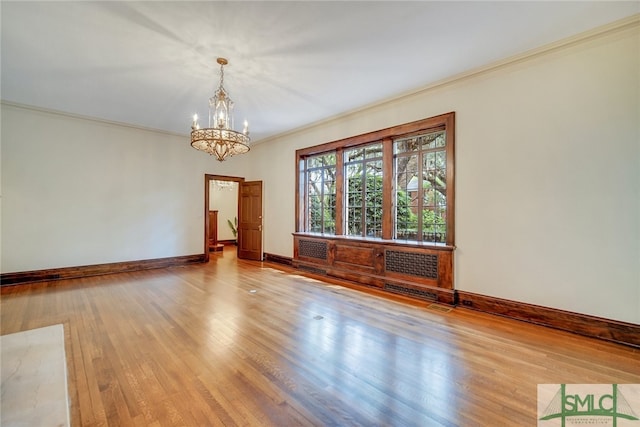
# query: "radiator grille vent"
313,249
416,264
312,269
417,293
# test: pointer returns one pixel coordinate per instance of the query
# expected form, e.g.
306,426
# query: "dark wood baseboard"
7,279
582,324
591,326
278,259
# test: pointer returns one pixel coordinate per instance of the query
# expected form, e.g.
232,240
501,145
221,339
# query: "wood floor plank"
240,343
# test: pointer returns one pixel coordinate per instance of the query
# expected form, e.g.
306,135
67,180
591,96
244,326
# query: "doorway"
246,218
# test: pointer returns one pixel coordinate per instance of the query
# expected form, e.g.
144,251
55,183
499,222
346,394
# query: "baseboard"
582,324
7,279
278,259
591,326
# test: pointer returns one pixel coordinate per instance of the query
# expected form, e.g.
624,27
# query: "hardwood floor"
243,343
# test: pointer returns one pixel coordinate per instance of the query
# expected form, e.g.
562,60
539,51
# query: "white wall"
547,175
79,192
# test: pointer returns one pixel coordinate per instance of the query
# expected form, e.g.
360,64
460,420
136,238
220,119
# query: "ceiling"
291,64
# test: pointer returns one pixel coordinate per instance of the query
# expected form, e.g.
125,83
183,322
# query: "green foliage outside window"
371,199
320,175
416,209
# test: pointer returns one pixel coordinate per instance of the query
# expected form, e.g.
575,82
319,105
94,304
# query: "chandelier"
219,138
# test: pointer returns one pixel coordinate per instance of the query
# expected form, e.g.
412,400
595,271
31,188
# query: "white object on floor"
34,378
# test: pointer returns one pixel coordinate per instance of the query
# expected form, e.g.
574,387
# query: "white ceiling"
152,64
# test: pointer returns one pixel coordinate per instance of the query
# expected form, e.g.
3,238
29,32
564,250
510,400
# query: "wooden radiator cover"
414,270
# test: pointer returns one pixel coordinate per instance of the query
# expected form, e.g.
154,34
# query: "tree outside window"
395,183
420,188
363,175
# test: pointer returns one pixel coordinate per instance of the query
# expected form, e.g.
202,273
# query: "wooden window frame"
442,122
420,153
304,175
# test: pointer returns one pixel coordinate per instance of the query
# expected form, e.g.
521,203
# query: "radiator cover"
412,263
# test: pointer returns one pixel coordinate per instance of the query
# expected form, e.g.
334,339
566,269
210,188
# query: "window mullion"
323,189
450,190
363,197
339,192
420,236
387,188
307,202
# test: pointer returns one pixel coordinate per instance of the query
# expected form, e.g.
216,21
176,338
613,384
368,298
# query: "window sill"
387,242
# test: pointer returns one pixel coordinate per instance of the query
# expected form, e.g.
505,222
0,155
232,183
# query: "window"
320,175
420,164
363,190
392,184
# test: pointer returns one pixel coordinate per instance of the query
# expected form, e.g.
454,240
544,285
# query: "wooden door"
250,220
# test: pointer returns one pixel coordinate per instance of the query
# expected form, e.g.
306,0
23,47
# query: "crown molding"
53,112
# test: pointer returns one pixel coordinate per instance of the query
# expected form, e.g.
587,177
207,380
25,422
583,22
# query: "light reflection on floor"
370,358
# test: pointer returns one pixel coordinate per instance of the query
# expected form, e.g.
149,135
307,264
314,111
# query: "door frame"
207,185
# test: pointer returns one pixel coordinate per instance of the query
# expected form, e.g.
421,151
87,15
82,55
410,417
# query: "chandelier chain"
222,77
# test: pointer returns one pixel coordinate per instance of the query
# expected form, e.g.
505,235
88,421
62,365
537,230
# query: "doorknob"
260,227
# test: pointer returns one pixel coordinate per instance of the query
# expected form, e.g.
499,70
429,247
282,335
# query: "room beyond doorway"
221,197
